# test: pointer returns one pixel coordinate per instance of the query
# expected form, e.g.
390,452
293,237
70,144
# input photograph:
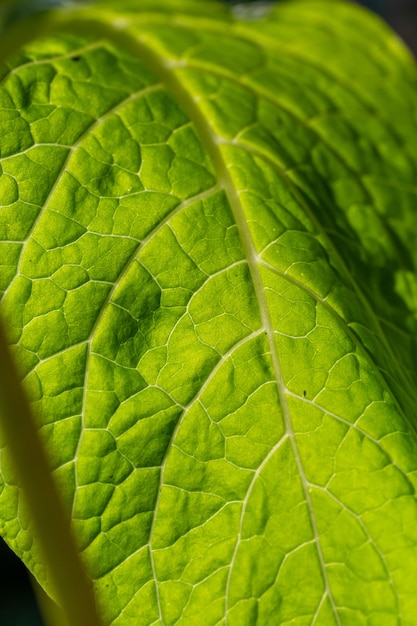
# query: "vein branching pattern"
208,268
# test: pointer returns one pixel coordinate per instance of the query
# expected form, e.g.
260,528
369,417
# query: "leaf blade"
323,375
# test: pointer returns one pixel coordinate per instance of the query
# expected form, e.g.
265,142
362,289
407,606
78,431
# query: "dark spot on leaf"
304,393
75,58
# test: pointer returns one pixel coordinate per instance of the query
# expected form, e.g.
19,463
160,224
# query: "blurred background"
400,14
18,606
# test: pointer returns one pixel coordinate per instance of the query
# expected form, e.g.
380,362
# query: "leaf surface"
209,273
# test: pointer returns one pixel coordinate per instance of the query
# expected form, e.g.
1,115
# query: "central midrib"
211,144
120,34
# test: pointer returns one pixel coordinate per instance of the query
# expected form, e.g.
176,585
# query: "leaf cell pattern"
208,271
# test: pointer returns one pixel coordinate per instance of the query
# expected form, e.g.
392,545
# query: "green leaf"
209,273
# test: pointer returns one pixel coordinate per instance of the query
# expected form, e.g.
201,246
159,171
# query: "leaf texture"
208,268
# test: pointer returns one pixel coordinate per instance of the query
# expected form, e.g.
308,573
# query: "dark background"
401,15
17,602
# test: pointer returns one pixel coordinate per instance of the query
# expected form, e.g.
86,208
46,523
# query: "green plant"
209,276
